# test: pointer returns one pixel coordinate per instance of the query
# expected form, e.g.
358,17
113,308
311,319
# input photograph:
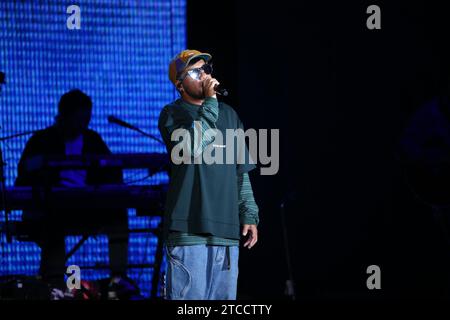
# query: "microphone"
112,119
222,91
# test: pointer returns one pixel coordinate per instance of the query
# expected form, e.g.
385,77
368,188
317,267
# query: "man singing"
209,206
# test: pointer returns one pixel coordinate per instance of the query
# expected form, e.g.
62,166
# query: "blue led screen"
119,57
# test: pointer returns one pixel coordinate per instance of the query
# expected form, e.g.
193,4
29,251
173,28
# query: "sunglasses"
196,72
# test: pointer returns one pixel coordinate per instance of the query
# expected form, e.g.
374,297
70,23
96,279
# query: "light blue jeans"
201,272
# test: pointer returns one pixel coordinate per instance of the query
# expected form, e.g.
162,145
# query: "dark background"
341,95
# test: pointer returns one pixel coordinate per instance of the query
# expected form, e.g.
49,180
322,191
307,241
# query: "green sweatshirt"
206,204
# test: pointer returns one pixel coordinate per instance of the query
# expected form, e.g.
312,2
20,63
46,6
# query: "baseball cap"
181,61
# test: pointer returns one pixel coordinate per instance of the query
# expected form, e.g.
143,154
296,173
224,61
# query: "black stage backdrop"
341,95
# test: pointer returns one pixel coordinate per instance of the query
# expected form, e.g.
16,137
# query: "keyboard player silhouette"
69,135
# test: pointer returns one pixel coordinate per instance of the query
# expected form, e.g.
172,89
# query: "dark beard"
195,95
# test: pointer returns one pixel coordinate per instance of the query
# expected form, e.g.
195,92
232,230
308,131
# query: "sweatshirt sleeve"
248,209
